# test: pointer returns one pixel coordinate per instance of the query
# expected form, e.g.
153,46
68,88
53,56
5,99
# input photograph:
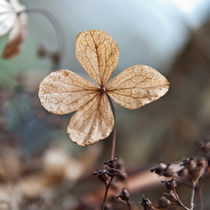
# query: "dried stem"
180,202
129,205
192,196
55,24
112,152
113,143
199,196
114,130
106,193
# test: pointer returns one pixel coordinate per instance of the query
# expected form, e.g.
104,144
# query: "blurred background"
36,157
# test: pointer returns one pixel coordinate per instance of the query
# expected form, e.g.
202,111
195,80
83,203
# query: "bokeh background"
171,36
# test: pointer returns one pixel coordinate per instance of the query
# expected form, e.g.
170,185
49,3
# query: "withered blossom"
12,18
63,91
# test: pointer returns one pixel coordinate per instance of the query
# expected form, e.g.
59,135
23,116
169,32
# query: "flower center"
102,90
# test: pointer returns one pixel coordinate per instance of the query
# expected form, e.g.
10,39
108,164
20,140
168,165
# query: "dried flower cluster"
190,171
112,173
168,199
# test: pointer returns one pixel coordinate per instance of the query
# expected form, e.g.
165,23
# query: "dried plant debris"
124,196
11,18
191,171
63,91
113,175
108,172
168,200
147,204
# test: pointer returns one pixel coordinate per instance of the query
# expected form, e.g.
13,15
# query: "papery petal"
98,54
63,91
92,122
7,17
136,86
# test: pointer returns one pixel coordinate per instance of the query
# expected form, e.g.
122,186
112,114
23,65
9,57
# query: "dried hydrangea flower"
63,91
12,19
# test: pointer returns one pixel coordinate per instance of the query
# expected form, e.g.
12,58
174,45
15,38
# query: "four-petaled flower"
63,91
11,17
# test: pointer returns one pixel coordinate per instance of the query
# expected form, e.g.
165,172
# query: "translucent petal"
98,54
7,17
92,122
16,37
63,91
136,86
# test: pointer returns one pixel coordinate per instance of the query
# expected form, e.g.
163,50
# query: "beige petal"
63,91
98,54
16,37
93,121
136,86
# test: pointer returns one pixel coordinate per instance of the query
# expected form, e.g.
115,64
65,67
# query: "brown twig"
180,202
114,130
106,193
129,205
199,197
192,196
113,143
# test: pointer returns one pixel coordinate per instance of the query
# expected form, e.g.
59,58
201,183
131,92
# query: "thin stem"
113,143
114,130
106,193
192,196
199,196
55,24
129,205
183,206
180,202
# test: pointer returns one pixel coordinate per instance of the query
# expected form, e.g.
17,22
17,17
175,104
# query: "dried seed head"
112,172
183,173
147,204
193,169
164,170
111,163
170,184
124,195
